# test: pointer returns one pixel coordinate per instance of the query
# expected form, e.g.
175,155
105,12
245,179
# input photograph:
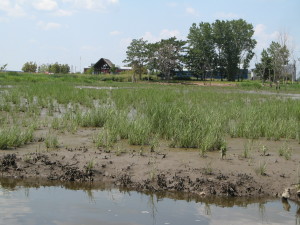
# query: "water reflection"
40,202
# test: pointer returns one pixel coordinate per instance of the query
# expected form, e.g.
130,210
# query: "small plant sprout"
207,170
154,143
285,151
51,142
264,150
90,166
261,169
223,151
247,149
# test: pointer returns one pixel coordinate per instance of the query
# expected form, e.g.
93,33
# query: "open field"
204,139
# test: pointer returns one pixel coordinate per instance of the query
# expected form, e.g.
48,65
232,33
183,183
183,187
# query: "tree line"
273,62
31,67
222,47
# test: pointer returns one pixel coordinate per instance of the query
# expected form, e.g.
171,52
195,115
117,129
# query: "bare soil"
164,169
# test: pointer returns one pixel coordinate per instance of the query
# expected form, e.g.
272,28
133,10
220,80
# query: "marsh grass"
51,141
248,147
186,116
106,138
90,166
223,151
285,151
208,170
15,137
261,169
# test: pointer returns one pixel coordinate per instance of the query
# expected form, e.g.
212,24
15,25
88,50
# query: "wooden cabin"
103,66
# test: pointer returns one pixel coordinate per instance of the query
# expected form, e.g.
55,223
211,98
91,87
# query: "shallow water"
68,204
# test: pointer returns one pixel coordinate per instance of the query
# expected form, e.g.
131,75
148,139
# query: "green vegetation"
261,169
285,151
141,113
51,142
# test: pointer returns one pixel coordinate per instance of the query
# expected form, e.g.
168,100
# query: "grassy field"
145,113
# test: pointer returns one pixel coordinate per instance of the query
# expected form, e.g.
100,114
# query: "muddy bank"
165,170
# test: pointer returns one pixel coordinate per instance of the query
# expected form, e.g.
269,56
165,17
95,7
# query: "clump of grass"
140,132
248,146
285,151
261,169
119,151
223,151
90,166
106,138
207,170
264,150
51,142
154,143
15,137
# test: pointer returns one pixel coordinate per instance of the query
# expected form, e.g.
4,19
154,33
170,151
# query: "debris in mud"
74,174
8,161
124,180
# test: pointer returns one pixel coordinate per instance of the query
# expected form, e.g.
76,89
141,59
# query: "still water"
24,203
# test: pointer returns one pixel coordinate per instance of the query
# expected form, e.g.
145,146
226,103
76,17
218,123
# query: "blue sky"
65,31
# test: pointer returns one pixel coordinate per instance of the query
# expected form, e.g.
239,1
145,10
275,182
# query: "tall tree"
237,46
218,29
169,56
29,67
279,58
201,54
264,67
137,56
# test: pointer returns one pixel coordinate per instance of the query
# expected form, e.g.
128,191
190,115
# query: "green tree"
64,69
201,54
169,56
2,68
279,58
218,29
29,67
137,56
44,68
264,68
54,68
236,43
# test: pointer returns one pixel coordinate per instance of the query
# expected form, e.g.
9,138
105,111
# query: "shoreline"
164,171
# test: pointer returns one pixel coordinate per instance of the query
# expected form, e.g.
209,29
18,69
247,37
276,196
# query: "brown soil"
165,169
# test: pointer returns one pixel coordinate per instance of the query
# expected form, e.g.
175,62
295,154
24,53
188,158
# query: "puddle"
26,203
102,88
287,95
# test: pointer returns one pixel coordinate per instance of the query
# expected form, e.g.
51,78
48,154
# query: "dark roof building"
103,66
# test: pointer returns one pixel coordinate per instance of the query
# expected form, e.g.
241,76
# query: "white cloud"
172,4
96,5
115,33
12,9
164,34
191,11
113,1
48,26
61,12
263,38
223,15
45,5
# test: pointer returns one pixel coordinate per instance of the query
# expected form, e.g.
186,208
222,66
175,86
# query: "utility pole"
80,65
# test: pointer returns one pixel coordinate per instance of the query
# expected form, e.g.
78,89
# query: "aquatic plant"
285,151
51,141
261,169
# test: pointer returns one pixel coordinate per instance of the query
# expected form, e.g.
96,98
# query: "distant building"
103,66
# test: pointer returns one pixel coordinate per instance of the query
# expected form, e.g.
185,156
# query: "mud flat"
165,169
